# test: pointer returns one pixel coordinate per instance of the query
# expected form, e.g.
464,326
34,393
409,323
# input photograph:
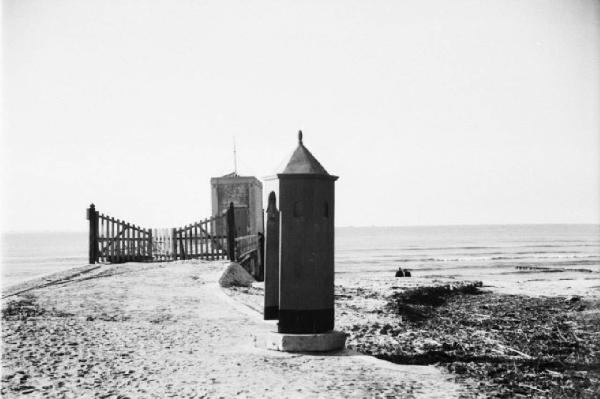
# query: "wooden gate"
113,240
200,240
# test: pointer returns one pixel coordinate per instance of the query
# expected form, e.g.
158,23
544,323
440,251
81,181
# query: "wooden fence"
114,241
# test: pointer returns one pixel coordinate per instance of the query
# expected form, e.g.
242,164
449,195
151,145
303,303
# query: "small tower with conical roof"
306,204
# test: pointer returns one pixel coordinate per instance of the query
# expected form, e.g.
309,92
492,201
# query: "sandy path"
167,330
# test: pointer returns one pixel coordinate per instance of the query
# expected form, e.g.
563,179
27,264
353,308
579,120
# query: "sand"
543,344
168,330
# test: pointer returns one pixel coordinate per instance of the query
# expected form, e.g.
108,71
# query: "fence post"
182,247
261,257
174,242
231,232
149,245
92,216
271,261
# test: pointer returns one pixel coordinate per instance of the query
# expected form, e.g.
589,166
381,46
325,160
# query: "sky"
431,112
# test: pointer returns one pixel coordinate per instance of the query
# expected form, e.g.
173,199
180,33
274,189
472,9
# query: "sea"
459,251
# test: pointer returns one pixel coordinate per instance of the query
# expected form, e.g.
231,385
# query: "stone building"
244,192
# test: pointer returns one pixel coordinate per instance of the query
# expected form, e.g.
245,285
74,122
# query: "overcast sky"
431,112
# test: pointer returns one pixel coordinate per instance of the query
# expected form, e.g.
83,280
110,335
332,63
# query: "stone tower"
244,192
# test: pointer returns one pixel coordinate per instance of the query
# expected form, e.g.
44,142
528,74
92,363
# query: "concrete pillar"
271,310
306,275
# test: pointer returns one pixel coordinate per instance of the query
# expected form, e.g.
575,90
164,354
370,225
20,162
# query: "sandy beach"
168,330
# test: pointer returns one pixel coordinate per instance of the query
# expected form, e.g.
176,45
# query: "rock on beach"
235,276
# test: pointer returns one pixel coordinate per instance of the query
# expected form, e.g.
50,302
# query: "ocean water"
472,250
461,251
30,255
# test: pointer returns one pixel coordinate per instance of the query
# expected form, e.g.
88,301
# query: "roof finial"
300,136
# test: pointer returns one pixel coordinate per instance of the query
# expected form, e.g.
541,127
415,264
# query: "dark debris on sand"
501,345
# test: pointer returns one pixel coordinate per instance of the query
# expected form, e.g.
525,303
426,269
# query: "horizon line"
26,231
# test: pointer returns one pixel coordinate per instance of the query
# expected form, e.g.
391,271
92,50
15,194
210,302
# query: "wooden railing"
113,240
244,245
249,252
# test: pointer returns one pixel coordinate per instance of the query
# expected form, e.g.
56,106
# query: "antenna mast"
234,158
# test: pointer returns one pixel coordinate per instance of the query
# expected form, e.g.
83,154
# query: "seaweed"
21,308
499,345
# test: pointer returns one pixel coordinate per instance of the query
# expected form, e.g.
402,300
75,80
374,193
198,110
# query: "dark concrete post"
271,311
306,274
231,232
174,242
149,252
261,257
92,216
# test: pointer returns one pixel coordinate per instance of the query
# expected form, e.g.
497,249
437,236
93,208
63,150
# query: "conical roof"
303,162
